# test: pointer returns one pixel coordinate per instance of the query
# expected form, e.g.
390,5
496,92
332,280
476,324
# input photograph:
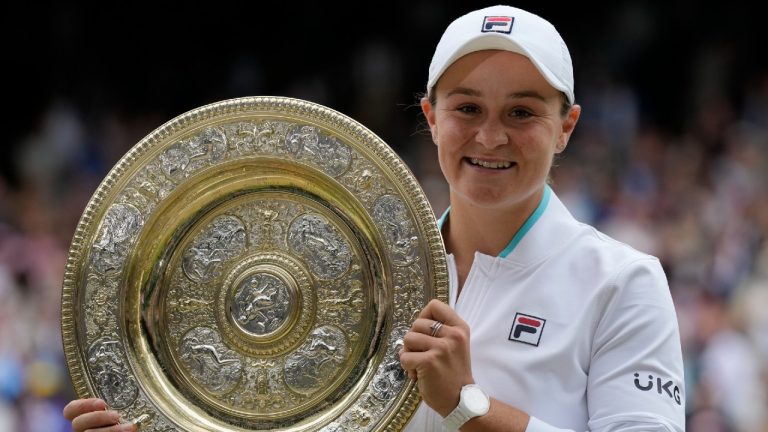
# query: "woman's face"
497,124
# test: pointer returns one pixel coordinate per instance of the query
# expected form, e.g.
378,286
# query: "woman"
570,330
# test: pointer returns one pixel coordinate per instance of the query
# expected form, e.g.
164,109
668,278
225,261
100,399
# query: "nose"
492,134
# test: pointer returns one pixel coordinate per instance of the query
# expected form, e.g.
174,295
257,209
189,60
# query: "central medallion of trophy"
266,304
263,303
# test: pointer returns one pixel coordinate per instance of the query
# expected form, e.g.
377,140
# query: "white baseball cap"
511,29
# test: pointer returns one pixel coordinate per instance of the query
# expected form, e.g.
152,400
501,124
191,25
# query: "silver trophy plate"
252,265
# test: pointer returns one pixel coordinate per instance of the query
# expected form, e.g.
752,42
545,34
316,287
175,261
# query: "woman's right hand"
91,415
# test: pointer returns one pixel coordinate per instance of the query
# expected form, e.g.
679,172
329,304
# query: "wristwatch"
473,402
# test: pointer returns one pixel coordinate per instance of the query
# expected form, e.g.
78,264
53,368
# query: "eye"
520,113
468,109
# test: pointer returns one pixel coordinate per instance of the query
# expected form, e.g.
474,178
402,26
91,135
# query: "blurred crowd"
690,187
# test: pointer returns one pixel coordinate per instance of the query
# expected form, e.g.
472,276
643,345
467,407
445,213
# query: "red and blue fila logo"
527,329
497,24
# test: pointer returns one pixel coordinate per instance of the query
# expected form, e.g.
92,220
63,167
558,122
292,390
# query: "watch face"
476,400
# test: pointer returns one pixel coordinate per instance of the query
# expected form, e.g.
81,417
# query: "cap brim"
493,41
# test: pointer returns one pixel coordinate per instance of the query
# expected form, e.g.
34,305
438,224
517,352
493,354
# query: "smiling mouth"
490,164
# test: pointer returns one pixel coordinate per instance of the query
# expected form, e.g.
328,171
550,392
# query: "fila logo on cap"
497,24
527,329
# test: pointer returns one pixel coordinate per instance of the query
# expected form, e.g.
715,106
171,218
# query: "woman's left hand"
437,356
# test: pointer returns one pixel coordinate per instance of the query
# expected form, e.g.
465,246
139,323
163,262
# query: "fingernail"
128,427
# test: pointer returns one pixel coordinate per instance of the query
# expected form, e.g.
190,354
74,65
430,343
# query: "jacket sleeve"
635,378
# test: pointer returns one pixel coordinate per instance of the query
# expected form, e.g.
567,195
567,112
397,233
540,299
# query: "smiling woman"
500,106
497,133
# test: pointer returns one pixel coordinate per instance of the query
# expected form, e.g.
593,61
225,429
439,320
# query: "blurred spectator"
730,372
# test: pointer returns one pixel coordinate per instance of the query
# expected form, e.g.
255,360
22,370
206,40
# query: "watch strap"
456,419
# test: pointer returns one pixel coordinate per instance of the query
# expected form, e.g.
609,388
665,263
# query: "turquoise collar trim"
529,223
442,219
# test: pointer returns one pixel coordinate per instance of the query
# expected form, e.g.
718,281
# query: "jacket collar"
544,232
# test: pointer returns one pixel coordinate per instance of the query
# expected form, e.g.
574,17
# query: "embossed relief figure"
208,361
316,363
306,143
224,239
391,210
297,140
321,245
261,303
270,229
110,250
108,364
391,376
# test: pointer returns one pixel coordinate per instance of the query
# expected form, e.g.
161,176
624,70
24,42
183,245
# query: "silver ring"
436,326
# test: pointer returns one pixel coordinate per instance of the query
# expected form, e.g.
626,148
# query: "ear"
429,114
569,124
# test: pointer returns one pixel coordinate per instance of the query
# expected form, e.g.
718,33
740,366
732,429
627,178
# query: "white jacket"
572,327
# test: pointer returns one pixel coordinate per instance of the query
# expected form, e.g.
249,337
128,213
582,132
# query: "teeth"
486,164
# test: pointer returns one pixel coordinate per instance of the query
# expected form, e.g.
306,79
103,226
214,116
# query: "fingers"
426,326
429,342
82,406
126,427
434,329
420,338
430,327
447,342
92,415
415,341
95,419
410,362
416,344
439,311
436,353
